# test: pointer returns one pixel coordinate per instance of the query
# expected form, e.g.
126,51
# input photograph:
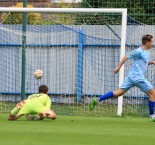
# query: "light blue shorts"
141,83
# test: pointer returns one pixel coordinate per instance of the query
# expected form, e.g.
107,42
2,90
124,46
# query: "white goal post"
66,10
122,11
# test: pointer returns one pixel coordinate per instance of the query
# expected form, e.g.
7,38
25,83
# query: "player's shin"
151,108
106,96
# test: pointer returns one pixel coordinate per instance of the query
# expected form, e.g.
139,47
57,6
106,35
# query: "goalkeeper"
35,104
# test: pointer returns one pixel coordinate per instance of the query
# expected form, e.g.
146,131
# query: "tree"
16,18
140,10
58,18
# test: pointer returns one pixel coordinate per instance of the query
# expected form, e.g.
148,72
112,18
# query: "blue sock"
151,107
106,96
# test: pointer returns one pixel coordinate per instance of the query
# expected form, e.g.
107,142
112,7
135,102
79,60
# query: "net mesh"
140,21
52,45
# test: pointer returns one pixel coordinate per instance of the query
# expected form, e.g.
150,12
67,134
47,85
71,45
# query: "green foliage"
65,19
33,18
138,9
17,18
98,19
57,18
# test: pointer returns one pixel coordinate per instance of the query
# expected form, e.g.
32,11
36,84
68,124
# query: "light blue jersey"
141,58
136,76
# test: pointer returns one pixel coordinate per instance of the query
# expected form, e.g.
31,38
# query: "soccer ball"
38,74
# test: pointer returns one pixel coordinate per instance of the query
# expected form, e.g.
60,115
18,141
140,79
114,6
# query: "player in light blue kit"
136,75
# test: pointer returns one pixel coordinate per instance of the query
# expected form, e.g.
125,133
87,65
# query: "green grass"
73,130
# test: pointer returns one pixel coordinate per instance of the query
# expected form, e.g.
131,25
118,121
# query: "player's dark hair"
146,38
43,89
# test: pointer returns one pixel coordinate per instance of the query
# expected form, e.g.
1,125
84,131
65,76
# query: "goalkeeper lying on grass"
35,104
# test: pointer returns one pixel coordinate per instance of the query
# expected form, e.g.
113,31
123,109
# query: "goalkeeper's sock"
106,96
15,111
151,107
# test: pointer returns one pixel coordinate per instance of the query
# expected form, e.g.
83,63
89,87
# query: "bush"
17,18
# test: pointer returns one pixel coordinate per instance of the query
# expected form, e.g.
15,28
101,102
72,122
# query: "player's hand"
116,70
20,104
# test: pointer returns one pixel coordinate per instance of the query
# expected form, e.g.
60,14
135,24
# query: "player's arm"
151,62
14,112
116,70
135,54
12,117
48,103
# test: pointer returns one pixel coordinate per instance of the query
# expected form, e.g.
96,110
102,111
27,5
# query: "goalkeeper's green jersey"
43,99
36,103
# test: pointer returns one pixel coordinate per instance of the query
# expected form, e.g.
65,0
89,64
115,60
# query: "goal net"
77,50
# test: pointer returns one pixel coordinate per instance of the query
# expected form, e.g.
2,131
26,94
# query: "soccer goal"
77,49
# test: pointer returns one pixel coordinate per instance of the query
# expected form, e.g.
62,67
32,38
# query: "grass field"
73,130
